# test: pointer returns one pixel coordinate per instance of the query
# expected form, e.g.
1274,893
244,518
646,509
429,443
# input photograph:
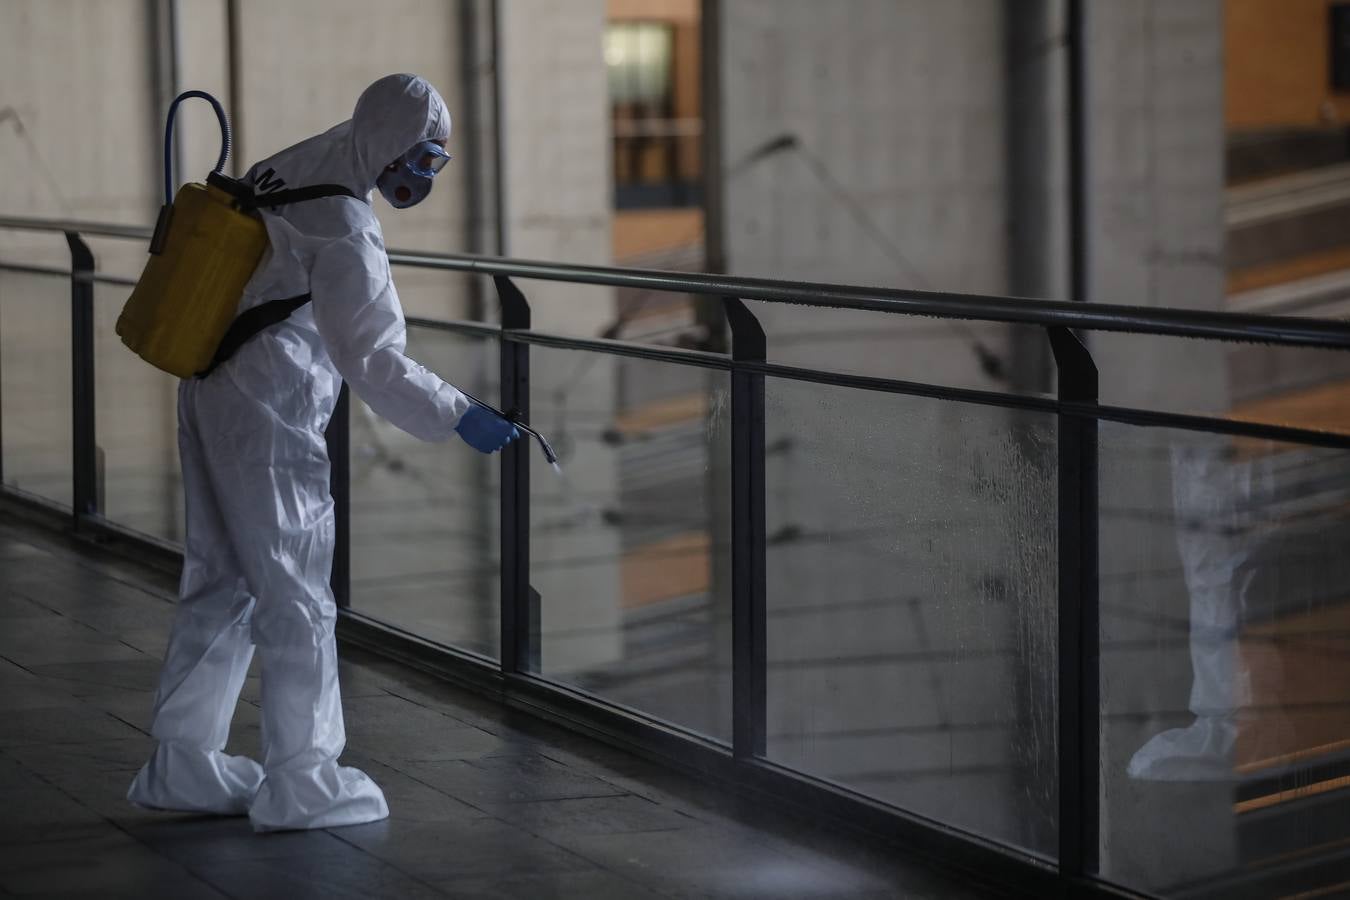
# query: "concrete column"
1157,233
1037,203
556,171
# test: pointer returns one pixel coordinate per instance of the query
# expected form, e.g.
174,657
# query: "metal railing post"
749,655
84,451
2,404
1079,637
338,436
520,605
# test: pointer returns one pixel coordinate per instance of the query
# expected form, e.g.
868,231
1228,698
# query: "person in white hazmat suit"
260,526
1224,506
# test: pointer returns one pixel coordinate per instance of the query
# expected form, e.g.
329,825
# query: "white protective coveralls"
260,526
1222,504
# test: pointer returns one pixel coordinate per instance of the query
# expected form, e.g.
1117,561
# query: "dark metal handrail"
89,229
1223,326
1204,324
82,277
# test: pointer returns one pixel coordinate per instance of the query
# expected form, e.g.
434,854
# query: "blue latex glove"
485,431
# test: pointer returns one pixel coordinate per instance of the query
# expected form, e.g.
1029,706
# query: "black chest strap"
249,323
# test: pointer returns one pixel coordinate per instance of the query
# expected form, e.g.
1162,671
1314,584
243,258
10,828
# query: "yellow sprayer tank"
190,289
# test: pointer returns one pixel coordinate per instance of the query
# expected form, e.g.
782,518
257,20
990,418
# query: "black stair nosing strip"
1285,778
1254,881
1294,834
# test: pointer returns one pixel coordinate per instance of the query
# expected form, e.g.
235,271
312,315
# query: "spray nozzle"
514,418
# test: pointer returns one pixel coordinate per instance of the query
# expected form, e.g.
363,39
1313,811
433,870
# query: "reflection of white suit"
1219,502
260,527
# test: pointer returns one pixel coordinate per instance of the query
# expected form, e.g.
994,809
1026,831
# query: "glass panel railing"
912,568
35,384
1225,664
425,532
987,356
136,430
1300,387
911,604
628,544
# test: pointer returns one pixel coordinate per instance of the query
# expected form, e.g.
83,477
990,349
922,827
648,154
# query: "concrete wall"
556,120
901,103
77,116
80,78
899,179
1157,229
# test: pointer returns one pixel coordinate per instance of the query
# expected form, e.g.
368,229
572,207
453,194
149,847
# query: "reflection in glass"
35,384
425,525
911,604
628,545
136,430
1224,658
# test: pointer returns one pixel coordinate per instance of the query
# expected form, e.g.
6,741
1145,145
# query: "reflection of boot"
1216,500
1202,751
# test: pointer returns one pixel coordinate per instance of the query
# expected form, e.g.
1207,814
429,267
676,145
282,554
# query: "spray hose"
168,138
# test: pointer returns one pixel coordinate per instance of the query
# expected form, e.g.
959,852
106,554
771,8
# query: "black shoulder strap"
247,200
297,195
251,322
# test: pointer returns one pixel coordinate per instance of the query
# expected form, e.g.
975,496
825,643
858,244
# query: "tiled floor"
485,802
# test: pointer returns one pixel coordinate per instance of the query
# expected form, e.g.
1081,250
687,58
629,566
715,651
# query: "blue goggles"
426,158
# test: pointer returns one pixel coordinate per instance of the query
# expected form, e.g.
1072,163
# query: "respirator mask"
407,180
